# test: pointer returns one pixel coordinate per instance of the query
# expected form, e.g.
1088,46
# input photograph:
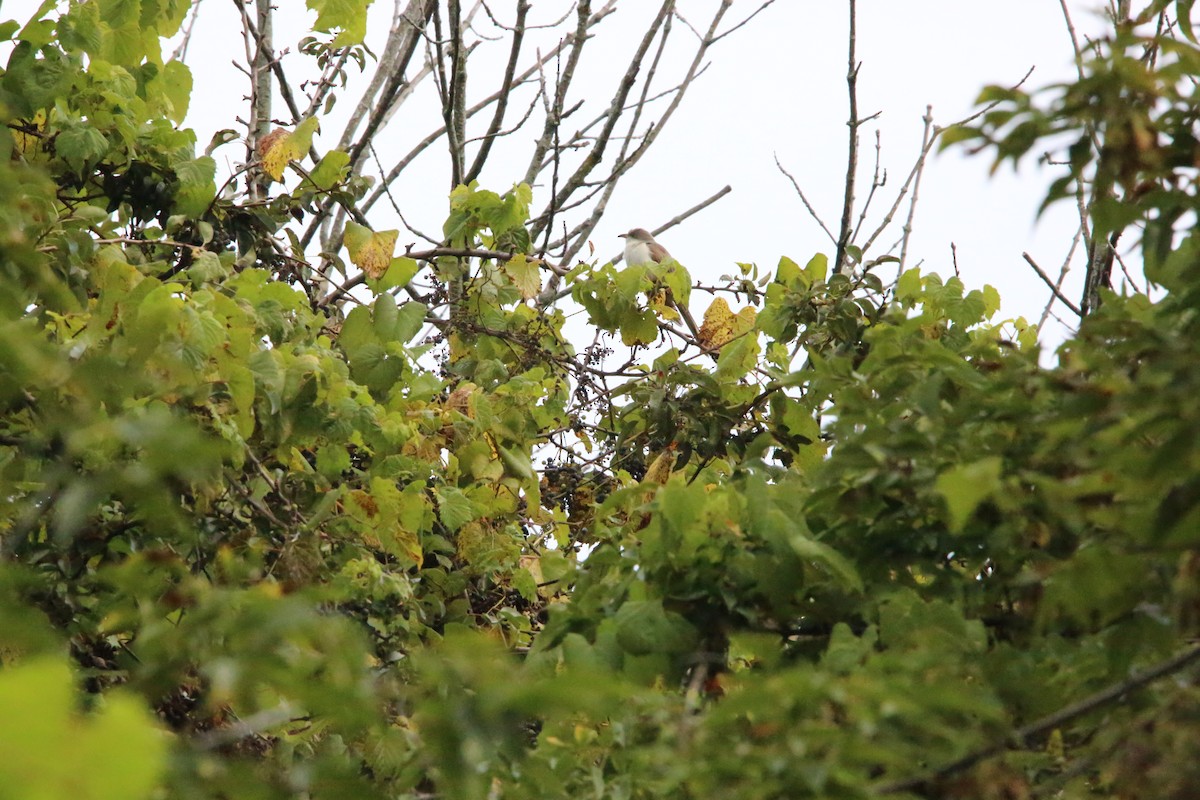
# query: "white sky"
777,86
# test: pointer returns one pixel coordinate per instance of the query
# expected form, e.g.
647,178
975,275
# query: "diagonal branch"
923,783
1053,286
518,33
610,183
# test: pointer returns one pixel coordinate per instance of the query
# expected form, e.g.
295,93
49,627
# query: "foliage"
410,544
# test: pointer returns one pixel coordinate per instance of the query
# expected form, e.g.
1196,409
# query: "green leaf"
644,628
909,284
957,133
356,236
677,279
991,301
456,509
639,327
301,138
196,186
516,462
81,145
1183,17
787,272
909,622
399,273
966,486
837,564
847,652
409,320
350,16
175,85
817,268
331,171
116,754
738,357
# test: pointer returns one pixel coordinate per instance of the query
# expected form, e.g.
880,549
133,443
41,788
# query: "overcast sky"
775,88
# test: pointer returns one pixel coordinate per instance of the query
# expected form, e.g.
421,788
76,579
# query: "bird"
640,248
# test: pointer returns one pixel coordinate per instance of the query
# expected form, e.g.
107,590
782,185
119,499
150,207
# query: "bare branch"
927,137
1074,39
410,35
1048,723
752,15
505,92
180,53
651,135
1062,274
878,181
458,94
852,123
811,211
593,158
405,33
577,40
432,137
1053,287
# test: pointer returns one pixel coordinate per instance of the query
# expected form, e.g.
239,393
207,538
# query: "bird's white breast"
637,252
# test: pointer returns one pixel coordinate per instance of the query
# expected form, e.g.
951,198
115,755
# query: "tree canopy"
286,516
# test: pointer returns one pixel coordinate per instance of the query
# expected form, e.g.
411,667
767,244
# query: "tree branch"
843,240
505,92
925,783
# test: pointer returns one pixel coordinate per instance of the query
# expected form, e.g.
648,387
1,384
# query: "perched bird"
640,248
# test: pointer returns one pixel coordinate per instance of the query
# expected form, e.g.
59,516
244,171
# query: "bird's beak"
622,235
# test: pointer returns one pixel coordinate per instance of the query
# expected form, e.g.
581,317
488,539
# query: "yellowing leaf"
524,275
745,320
279,147
660,468
661,304
29,144
370,251
460,399
391,519
721,325
718,325
275,152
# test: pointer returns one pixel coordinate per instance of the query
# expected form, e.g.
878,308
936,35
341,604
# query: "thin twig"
752,15
927,137
811,211
878,181
1062,274
180,53
677,219
693,72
